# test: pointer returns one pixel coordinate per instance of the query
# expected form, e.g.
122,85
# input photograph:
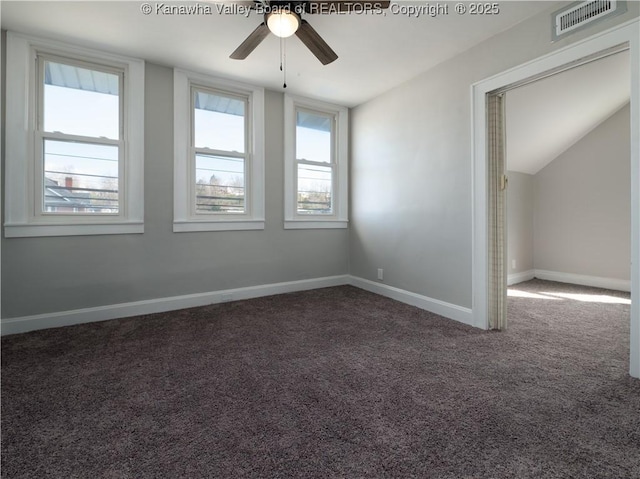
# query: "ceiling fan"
283,19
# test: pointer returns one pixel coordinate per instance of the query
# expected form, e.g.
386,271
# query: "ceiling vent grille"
582,14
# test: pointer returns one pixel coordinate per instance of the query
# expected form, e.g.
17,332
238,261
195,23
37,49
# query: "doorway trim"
626,33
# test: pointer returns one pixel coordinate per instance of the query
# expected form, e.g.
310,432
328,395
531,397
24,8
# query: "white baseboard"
448,310
102,313
123,310
516,278
595,281
458,313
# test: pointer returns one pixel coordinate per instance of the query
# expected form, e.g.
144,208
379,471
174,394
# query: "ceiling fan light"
283,23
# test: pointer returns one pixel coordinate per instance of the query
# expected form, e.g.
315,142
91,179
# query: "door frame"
628,34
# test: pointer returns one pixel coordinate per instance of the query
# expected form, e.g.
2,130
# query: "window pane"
80,178
313,137
78,101
220,184
314,189
219,122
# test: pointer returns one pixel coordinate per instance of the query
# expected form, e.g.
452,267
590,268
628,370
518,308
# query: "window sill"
35,230
315,224
195,226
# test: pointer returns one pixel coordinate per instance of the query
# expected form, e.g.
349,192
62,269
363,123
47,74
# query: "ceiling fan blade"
315,43
343,6
251,42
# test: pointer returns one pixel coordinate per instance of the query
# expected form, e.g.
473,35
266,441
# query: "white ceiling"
547,117
376,52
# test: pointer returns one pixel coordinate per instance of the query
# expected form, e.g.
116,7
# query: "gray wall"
411,166
582,205
41,275
410,197
519,222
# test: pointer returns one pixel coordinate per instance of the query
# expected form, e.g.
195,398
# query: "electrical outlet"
380,274
513,264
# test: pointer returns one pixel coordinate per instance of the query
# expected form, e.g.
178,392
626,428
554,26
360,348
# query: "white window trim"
340,217
20,175
184,220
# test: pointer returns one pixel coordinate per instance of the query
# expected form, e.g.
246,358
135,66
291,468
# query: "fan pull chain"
283,61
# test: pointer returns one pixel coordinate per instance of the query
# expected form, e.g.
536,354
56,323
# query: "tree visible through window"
219,140
218,179
315,162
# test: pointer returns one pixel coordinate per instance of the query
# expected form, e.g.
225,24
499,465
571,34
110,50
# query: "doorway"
567,162
487,220
568,206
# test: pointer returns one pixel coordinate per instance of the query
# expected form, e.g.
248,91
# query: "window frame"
339,165
186,218
41,135
206,151
25,212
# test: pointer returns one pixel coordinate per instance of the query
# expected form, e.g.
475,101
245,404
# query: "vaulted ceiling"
545,118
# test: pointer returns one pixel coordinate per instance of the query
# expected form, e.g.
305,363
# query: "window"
219,154
219,141
315,164
80,133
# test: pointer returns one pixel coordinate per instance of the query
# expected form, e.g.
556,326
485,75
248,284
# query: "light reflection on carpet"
588,298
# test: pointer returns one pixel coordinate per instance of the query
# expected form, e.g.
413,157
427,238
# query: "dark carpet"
331,383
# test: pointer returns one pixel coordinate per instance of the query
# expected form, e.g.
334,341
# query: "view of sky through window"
80,176
219,124
314,144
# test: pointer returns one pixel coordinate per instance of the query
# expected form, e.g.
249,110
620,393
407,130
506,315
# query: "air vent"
582,14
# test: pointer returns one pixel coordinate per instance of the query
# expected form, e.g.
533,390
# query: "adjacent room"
254,239
568,198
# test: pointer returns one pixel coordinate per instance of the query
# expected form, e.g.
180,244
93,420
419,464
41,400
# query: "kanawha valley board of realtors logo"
259,8
357,8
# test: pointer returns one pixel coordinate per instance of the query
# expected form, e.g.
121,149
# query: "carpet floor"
331,383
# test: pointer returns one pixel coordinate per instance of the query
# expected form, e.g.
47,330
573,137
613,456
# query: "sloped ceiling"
545,118
377,52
